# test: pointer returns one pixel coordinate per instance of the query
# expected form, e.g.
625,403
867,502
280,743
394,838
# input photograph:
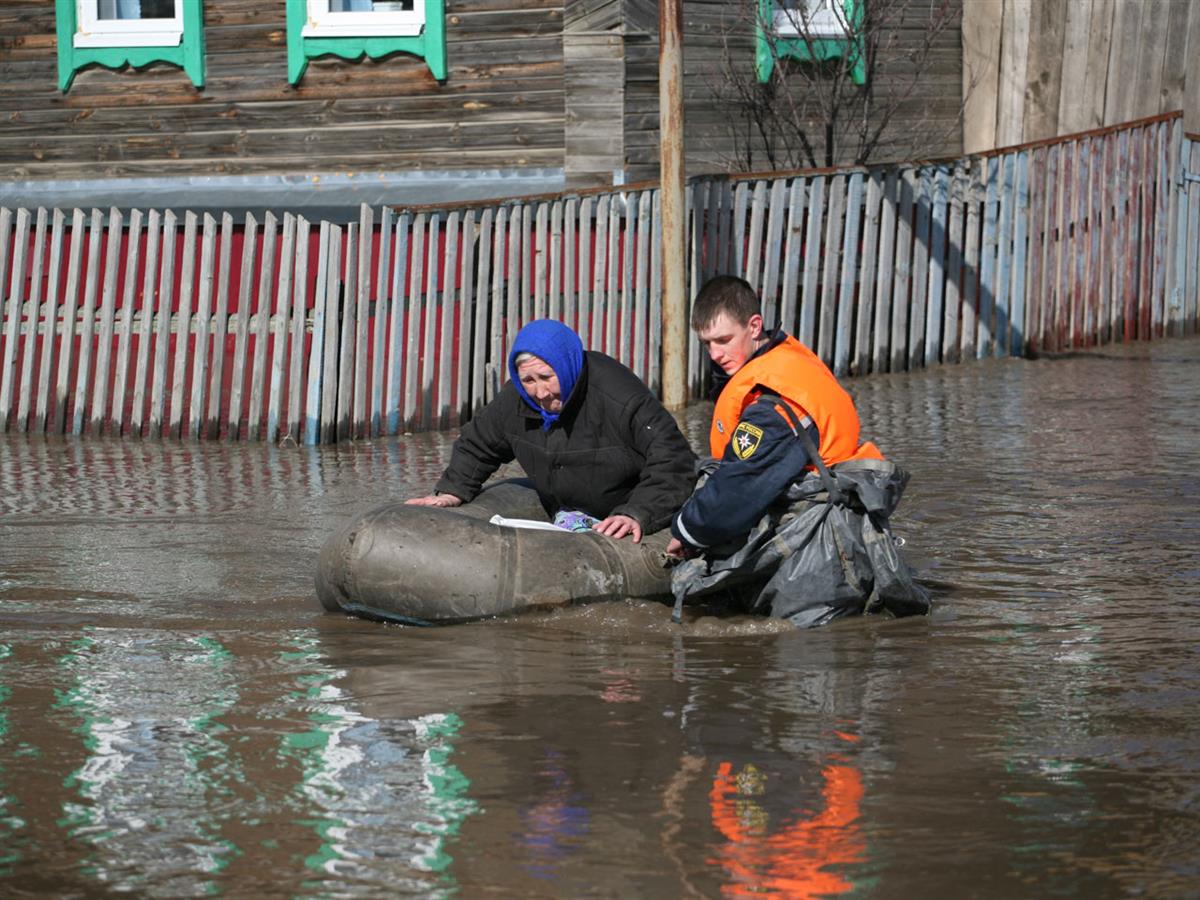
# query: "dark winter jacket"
613,451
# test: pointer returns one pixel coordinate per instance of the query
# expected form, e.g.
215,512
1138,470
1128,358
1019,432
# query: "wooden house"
324,104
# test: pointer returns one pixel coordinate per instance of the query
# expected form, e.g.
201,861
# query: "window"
359,18
813,31
119,33
129,23
352,29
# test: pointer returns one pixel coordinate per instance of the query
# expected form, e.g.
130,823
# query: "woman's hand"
619,526
678,549
435,500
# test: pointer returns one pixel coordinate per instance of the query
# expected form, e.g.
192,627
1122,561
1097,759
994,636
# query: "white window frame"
323,23
823,19
92,31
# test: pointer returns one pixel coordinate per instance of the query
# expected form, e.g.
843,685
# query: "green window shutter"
188,54
430,44
851,49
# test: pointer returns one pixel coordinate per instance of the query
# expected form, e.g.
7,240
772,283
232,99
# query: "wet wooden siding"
154,324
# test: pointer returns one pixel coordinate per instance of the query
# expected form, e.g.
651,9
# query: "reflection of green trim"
10,823
430,44
815,50
448,787
188,54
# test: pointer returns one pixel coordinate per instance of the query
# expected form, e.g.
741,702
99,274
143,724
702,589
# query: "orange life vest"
805,383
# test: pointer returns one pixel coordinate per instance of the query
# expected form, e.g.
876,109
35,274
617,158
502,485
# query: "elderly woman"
589,434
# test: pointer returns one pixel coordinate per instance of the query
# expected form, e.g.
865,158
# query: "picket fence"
283,329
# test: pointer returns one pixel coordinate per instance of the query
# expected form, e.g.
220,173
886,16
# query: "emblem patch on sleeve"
745,440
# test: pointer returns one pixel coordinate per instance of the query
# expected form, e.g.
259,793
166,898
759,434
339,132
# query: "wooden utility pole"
674,206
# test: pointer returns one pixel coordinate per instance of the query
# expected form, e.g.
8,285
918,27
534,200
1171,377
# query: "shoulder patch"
746,438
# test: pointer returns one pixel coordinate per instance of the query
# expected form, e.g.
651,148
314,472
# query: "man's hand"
679,550
619,526
435,500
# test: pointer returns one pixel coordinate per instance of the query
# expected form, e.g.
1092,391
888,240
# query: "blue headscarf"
557,346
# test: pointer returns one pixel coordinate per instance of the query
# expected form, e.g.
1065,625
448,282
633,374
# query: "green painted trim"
429,45
188,55
852,50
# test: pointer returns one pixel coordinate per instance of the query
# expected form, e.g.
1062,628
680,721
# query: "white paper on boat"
526,523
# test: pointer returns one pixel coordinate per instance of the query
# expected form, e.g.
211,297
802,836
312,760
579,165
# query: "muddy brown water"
178,717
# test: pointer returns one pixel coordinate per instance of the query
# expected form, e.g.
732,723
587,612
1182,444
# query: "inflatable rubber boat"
423,565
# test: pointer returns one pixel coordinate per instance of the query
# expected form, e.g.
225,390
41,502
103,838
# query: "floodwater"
178,717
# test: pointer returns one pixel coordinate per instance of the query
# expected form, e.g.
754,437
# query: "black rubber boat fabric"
824,551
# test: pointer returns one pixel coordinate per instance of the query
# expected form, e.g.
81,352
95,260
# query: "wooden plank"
1176,232
758,212
380,320
1145,297
812,261
526,282
1191,297
293,429
466,313
1014,336
1037,212
599,293
360,422
1062,257
541,259
1151,47
329,352
834,227
741,199
25,401
777,211
937,266
1093,262
279,328
1043,77
87,327
1044,339
860,363
954,263
982,20
446,343
496,354
104,341
570,259
12,321
585,271
397,349
903,270
49,324
696,203
1079,241
347,339
162,325
616,210
554,308
482,308
843,326
316,357
641,325
1004,237
242,327
725,216
792,251
208,249
655,313
513,319
987,262
1161,227
974,213
145,321
1127,216
1103,274
1071,67
886,272
920,268
1088,94
430,320
1014,54
412,338
220,331
628,244
184,328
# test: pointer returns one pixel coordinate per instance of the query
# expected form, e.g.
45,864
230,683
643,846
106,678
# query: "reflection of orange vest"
800,378
790,861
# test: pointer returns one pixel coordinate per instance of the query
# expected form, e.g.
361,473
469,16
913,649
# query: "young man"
780,424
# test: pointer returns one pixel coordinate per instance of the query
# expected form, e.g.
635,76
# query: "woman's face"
540,383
